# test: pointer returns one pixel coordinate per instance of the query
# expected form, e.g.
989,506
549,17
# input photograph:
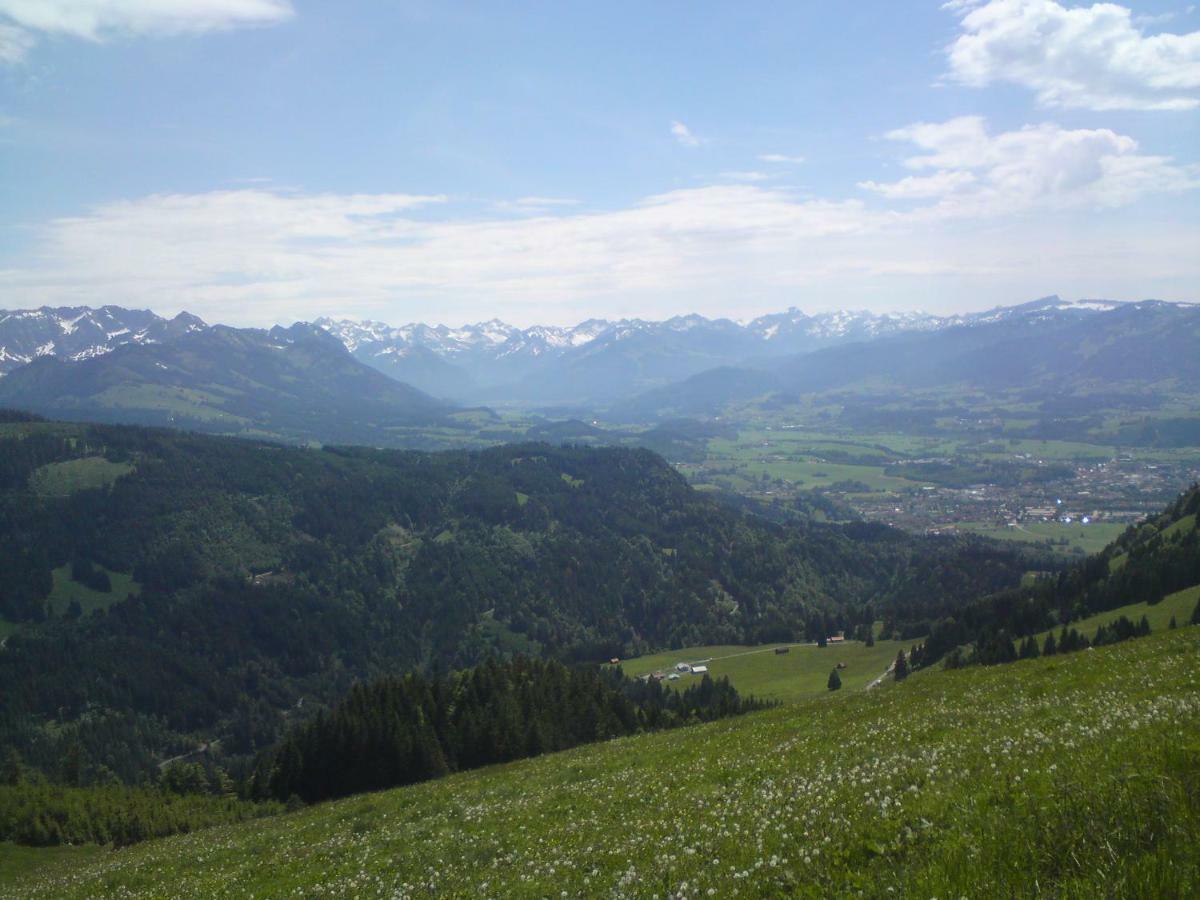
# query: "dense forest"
1147,562
165,590
401,730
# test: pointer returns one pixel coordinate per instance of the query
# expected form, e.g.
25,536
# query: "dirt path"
878,681
174,759
770,649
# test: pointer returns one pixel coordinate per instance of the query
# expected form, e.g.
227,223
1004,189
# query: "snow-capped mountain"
75,333
598,361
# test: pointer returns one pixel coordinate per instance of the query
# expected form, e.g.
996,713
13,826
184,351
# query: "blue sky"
256,161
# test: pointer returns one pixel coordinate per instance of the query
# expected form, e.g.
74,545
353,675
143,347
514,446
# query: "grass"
1074,776
1089,538
17,862
62,479
801,672
1180,605
67,589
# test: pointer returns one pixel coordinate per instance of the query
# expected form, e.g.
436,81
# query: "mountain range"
298,383
345,381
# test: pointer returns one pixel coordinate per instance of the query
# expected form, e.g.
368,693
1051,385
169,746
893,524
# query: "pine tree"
901,670
835,680
1172,625
1050,647
1196,615
870,641
12,772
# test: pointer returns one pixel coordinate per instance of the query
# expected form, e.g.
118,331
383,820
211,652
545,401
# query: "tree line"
397,731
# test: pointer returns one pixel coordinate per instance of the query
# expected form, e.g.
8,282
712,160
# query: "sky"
263,161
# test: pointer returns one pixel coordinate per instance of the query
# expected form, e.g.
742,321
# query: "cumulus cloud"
780,158
21,21
684,135
1095,57
975,173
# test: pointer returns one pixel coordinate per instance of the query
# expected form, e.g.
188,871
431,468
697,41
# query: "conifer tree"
835,680
901,670
1196,615
1050,647
1172,625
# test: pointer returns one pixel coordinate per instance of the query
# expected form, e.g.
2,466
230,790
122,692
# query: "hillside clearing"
801,672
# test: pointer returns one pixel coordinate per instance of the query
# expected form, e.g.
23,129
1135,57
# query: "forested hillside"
1145,564
164,590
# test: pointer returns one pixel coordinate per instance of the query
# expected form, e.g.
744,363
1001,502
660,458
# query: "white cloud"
747,176
533,205
780,158
684,135
917,187
1036,167
14,43
259,255
1095,57
97,20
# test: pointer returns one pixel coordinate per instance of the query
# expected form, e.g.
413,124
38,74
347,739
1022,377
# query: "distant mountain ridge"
638,364
297,383
80,332
600,360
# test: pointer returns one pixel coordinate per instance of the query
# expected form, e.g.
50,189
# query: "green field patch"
759,671
1178,605
62,479
186,402
573,482
1180,527
1090,538
66,590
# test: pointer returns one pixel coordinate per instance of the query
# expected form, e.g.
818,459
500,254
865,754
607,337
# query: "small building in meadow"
699,670
779,651
683,667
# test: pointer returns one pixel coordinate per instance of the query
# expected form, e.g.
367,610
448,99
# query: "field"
17,861
64,478
66,589
1089,538
1180,605
801,672
1071,776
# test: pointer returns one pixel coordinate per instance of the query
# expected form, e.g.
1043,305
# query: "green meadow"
1071,776
1090,538
759,671
61,479
66,590
1178,605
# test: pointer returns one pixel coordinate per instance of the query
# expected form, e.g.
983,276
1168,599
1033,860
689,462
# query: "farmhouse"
836,639
699,670
779,651
682,667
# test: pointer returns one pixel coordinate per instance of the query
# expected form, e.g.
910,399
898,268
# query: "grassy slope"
1180,605
17,861
1074,776
802,672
